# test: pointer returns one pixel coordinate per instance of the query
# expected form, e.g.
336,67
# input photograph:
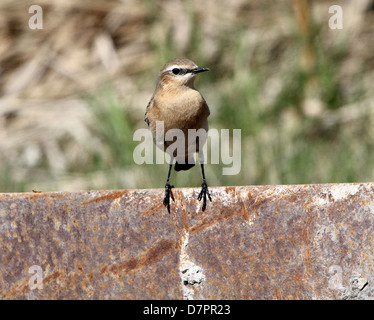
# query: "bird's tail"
183,166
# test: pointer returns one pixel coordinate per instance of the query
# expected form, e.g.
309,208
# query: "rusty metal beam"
252,242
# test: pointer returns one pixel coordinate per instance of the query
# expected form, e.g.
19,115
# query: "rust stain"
256,204
211,220
244,212
52,277
251,203
111,196
293,198
154,208
185,219
20,289
16,290
33,195
298,278
230,189
278,296
154,254
178,194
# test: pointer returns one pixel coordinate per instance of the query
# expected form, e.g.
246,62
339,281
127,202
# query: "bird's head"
179,72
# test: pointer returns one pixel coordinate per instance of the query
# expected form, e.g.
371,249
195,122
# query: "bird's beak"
197,70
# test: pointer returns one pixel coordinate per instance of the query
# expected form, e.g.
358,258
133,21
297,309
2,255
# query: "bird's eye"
176,70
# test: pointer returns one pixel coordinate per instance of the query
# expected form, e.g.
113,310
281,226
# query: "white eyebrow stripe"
172,67
178,67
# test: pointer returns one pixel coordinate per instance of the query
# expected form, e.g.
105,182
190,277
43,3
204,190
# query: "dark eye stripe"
180,71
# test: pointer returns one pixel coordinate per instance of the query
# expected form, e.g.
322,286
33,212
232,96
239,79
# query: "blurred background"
73,93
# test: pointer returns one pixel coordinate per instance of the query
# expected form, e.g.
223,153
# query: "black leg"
168,192
204,190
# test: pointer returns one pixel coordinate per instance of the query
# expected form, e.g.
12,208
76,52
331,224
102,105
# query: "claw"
203,193
168,194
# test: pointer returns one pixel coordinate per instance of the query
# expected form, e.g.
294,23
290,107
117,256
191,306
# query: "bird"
178,105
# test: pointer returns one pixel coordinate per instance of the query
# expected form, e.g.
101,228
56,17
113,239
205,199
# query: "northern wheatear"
178,105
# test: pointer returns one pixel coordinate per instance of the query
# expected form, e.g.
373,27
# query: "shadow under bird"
178,105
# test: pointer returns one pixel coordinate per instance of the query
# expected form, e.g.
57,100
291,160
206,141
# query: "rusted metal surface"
252,242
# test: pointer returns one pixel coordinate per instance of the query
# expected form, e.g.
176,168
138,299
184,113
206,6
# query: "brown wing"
149,105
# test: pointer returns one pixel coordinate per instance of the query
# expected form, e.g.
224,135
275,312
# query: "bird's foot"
203,194
168,194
